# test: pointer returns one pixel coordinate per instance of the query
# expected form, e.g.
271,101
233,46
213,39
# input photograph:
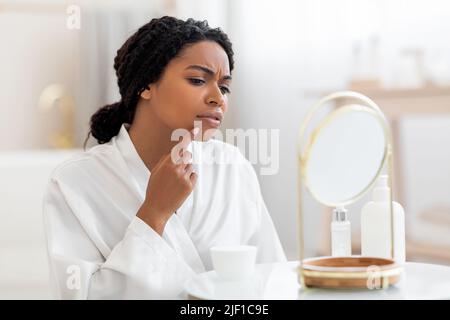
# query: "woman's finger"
193,178
189,169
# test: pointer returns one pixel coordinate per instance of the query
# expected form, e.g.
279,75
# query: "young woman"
127,219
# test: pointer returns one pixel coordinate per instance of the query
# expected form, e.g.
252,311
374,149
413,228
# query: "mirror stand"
343,271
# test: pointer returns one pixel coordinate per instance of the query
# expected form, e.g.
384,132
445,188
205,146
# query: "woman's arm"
141,266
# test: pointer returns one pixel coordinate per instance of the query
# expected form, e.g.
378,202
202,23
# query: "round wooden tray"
349,272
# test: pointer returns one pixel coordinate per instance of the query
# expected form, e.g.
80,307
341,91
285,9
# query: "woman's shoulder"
84,161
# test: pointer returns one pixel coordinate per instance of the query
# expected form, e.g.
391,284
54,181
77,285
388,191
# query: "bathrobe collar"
138,169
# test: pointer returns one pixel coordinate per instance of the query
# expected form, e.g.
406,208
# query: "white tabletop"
279,281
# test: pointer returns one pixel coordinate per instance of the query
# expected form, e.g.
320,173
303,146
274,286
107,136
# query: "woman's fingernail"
195,131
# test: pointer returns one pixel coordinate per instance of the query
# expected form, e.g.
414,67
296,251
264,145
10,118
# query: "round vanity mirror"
345,154
344,146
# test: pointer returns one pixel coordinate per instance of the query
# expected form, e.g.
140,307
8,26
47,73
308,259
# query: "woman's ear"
146,94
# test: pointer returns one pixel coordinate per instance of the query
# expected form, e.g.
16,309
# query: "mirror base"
354,272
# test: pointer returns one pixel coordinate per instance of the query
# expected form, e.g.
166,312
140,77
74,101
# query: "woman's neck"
150,136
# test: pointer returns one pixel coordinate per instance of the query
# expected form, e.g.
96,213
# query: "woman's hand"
171,181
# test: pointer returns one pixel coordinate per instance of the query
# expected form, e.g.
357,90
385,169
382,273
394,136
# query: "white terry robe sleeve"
265,236
141,266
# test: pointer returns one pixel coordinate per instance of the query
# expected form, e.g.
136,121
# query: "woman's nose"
216,98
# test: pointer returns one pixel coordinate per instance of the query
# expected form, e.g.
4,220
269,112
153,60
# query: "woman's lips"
213,122
212,118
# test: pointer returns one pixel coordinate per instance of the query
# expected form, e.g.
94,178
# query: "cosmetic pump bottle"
376,225
341,245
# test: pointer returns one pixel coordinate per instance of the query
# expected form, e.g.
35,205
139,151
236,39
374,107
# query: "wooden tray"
349,272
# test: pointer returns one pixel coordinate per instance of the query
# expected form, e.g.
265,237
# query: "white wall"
36,51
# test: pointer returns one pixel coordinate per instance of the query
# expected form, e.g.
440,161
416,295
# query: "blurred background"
56,69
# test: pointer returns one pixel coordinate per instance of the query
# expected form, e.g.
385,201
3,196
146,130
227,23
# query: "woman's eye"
224,90
199,82
196,81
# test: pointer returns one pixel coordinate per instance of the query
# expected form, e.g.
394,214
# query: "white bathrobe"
99,249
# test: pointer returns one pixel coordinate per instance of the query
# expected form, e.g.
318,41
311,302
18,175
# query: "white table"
279,281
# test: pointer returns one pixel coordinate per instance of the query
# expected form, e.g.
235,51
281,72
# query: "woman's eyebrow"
206,70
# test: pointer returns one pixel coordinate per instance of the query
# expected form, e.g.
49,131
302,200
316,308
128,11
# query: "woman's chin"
206,132
206,136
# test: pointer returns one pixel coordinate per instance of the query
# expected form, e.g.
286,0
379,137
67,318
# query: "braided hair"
142,59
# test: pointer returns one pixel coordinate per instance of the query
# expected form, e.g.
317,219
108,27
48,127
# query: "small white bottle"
376,225
341,244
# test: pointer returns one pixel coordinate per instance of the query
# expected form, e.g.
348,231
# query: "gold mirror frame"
303,155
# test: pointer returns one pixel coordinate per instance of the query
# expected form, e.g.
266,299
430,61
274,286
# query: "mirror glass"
345,154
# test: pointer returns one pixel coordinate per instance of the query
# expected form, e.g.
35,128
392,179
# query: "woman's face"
193,87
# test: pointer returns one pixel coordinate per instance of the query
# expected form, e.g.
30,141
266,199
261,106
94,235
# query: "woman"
131,218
